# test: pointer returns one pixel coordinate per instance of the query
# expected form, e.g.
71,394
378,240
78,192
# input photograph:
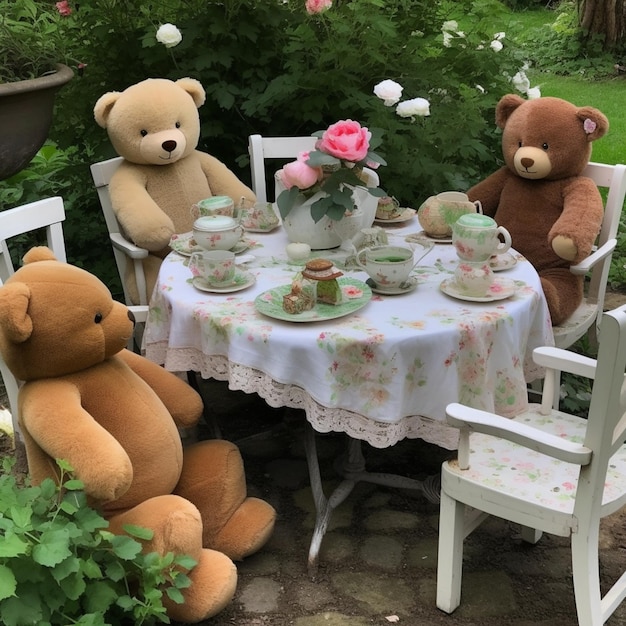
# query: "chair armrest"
129,249
473,420
565,361
595,257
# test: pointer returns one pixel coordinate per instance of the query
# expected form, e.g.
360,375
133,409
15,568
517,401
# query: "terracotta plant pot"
25,117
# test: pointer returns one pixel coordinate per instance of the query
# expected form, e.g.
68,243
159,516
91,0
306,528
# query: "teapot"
438,213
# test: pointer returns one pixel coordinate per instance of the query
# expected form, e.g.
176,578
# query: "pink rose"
64,8
300,174
317,6
346,140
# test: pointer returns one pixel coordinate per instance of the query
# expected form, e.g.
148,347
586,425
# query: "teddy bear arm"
181,400
141,218
223,181
52,415
488,191
572,236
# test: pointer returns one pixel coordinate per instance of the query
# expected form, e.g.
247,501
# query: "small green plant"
59,564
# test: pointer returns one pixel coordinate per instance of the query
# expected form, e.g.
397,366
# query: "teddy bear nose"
131,317
527,162
169,145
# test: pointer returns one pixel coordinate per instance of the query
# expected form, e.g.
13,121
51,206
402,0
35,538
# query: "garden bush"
271,68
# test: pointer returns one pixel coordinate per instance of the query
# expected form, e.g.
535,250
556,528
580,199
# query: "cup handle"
357,257
479,206
503,246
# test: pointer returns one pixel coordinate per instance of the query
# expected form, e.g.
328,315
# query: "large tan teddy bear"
113,415
553,213
155,126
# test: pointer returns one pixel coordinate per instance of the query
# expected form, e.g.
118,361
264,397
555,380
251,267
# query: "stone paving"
378,558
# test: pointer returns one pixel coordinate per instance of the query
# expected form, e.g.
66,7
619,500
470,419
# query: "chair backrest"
124,251
612,178
47,214
263,148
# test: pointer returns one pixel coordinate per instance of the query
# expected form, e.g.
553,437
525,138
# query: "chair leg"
586,576
450,553
530,535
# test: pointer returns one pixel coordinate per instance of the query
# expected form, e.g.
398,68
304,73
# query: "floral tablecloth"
380,374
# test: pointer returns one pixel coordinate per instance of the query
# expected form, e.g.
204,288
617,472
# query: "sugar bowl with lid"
217,232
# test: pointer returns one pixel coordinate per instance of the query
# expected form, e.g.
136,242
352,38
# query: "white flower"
447,38
533,93
389,91
451,26
416,106
480,88
499,36
496,45
169,35
521,82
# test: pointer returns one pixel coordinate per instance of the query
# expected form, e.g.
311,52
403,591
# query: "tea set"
478,240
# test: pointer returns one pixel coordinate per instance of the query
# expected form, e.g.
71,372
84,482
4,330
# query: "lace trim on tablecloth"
323,419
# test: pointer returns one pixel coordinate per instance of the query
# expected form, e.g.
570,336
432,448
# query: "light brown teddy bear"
155,126
113,415
552,212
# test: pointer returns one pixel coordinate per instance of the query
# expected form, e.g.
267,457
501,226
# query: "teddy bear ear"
16,324
194,88
38,253
595,123
104,106
505,108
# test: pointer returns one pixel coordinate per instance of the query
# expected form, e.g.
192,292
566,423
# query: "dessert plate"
406,287
356,295
242,280
502,262
422,235
261,230
501,289
405,216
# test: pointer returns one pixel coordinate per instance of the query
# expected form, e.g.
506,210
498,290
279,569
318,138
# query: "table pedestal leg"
351,467
323,506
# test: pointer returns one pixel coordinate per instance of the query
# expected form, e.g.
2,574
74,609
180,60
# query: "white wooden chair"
545,470
262,149
125,252
586,319
47,216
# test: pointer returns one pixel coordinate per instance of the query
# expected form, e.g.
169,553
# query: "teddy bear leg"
151,265
213,478
563,291
177,528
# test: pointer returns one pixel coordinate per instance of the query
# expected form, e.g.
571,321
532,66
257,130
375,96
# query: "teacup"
216,205
217,232
389,266
438,213
217,267
261,216
476,238
474,279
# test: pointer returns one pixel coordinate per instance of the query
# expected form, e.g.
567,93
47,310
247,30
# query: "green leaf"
73,586
53,549
175,595
12,545
185,561
139,532
8,584
102,595
125,547
27,609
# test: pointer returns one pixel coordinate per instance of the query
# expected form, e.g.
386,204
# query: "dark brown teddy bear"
552,212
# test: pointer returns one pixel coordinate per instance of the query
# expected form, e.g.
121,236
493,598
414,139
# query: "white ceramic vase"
327,233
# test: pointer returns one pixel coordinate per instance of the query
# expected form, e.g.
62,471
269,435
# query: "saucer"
422,235
406,287
185,245
241,280
502,262
405,216
501,289
262,230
